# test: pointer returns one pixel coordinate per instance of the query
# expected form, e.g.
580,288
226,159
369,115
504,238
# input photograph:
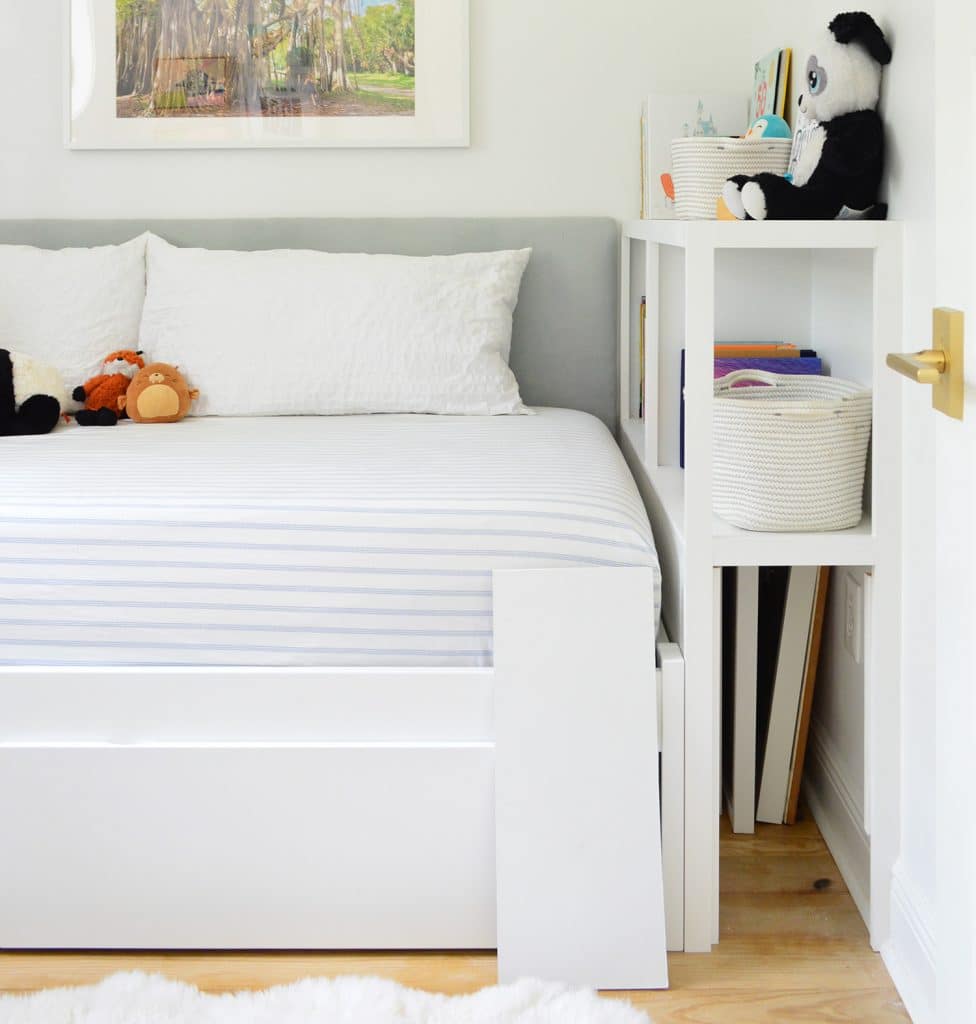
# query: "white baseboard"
909,953
839,814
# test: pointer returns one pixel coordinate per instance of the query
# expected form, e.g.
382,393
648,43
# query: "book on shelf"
643,347
806,696
770,85
669,116
740,656
745,350
792,360
796,665
773,583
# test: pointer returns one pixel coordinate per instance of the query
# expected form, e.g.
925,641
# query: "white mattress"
361,540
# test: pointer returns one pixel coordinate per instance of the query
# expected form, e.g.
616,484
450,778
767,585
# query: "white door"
954,523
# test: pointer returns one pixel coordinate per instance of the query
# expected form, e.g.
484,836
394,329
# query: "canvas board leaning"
181,74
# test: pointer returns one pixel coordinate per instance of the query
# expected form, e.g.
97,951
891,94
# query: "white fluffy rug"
150,999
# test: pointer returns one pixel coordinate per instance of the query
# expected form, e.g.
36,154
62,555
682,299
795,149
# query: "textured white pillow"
290,332
72,307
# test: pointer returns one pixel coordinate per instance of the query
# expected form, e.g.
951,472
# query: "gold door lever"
923,367
940,366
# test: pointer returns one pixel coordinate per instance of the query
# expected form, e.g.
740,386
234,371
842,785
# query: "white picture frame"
441,117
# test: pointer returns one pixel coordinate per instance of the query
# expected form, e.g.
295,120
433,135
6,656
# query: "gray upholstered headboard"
564,349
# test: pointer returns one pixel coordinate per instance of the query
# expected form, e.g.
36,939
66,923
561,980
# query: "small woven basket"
701,166
791,455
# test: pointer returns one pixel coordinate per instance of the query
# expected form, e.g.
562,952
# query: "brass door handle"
940,366
923,367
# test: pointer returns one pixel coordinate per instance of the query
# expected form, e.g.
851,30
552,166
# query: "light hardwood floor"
792,950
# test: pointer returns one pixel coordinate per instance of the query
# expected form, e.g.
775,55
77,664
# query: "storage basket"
701,166
790,455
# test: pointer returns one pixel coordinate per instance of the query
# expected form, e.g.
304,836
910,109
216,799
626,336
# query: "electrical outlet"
853,616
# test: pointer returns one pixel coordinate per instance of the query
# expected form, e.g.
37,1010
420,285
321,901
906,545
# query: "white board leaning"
330,73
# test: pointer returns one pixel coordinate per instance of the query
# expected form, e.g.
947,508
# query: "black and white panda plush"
32,395
843,160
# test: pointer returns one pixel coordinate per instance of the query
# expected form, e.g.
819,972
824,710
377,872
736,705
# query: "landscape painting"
265,58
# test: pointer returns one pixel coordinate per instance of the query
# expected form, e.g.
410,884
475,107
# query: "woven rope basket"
701,166
791,455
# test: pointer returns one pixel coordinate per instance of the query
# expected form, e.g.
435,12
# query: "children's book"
770,84
740,652
643,358
788,686
806,697
783,85
741,350
805,127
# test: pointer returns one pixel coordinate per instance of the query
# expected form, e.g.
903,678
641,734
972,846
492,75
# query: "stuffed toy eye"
816,77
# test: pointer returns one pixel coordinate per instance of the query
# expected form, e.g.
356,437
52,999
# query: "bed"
299,541
358,682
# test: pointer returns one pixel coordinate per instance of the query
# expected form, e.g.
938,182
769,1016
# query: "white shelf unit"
831,286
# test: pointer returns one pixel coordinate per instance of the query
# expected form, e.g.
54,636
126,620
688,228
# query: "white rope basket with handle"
701,166
790,455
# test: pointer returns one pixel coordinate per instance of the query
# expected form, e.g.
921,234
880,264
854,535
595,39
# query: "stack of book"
772,633
774,357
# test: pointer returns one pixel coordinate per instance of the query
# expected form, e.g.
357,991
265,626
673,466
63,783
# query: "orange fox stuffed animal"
101,394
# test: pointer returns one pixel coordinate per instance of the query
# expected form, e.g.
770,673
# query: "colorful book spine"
747,351
643,357
800,364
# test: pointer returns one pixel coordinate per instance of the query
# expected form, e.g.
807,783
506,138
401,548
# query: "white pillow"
72,307
291,332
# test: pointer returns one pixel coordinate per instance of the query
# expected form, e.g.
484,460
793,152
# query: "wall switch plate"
853,617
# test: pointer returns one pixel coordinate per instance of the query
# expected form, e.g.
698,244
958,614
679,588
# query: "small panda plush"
842,163
32,395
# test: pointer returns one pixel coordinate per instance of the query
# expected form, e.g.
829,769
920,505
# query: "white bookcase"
832,286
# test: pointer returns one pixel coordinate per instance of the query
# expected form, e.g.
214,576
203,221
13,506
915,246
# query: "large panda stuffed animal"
32,395
843,160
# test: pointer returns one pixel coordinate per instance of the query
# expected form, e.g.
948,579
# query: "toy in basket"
789,456
700,168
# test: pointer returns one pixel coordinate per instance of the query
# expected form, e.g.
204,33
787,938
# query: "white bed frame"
514,807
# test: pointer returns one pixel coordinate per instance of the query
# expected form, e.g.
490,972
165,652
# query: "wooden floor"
793,949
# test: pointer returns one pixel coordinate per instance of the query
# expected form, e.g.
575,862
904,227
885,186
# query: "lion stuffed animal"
158,394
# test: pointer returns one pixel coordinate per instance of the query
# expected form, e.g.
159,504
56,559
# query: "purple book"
804,364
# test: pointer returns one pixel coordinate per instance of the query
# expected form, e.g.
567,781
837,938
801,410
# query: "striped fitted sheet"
357,540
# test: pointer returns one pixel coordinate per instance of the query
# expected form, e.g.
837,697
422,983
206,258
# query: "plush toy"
101,394
32,395
770,126
158,394
841,165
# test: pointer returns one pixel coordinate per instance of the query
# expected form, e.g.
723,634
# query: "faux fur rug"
151,999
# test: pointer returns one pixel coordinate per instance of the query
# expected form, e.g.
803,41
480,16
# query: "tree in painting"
265,58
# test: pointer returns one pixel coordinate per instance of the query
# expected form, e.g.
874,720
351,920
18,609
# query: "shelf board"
781,234
732,546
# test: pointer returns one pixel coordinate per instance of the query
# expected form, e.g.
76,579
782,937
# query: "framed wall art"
209,74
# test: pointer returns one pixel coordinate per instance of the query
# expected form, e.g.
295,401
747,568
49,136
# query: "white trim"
839,816
909,953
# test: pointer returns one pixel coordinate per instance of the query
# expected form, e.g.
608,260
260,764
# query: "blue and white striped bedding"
361,540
